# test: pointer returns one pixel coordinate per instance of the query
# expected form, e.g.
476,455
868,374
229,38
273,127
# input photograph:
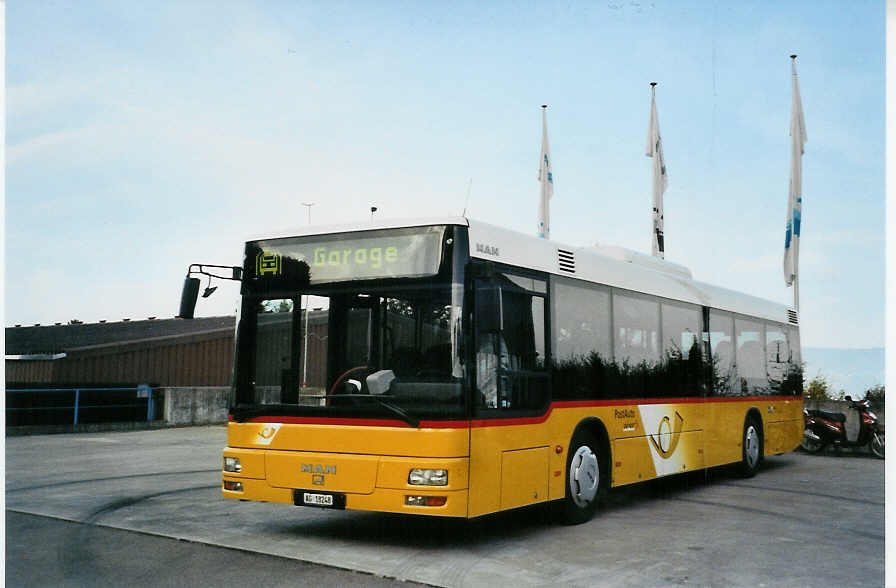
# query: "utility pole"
307,205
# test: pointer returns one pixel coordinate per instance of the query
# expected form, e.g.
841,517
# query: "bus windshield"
353,347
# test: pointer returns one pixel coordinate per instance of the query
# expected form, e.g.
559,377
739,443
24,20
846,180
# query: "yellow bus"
450,367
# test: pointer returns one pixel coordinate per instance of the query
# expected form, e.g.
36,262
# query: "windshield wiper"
413,421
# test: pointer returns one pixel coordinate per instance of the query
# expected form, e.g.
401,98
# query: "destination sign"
395,253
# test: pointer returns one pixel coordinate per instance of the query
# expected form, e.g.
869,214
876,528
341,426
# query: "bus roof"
386,223
613,266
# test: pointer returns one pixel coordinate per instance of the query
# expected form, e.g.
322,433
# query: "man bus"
456,368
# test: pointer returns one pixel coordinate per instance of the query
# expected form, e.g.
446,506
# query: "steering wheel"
340,379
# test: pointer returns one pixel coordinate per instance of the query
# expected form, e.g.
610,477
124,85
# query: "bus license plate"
317,499
303,497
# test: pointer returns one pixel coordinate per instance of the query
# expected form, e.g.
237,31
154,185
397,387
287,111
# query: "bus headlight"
232,464
422,477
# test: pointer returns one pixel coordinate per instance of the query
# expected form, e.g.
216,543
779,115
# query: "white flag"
660,179
546,180
795,190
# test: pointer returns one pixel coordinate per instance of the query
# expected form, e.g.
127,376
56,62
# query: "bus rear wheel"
751,448
584,479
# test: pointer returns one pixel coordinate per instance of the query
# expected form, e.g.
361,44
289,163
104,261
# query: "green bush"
875,396
818,389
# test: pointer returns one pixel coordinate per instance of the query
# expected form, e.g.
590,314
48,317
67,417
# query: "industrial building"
159,352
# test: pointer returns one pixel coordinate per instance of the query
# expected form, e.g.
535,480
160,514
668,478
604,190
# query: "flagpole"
660,180
796,245
653,240
307,297
544,221
545,180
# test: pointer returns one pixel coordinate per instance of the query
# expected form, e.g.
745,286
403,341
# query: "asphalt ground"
144,508
45,551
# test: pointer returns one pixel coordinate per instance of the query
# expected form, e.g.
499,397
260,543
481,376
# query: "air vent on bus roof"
792,317
566,261
644,260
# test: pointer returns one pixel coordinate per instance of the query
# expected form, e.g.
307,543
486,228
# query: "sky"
142,137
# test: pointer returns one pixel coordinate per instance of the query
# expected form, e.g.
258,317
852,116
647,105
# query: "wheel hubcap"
751,446
584,476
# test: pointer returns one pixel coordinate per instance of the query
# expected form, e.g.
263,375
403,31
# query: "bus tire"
751,448
585,479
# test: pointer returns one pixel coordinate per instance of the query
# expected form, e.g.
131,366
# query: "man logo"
317,480
487,249
666,439
316,468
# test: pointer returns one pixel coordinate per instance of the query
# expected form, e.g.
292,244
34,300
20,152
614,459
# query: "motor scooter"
823,428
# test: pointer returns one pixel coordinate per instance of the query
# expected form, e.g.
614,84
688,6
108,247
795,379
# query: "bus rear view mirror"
488,309
188,298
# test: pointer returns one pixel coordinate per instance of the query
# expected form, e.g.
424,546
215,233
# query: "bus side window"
795,356
793,381
751,357
724,370
581,352
637,320
521,384
491,349
682,357
510,347
636,339
777,353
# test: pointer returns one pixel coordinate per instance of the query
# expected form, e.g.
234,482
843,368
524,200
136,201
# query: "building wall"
196,405
30,371
202,359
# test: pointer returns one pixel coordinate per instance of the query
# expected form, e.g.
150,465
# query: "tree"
819,389
875,396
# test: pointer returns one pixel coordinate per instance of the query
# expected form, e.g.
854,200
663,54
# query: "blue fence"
98,400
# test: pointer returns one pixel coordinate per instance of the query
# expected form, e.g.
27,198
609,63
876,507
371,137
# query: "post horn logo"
666,439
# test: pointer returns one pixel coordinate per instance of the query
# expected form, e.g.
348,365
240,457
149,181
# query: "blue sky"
142,137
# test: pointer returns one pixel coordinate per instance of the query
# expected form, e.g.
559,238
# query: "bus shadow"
660,488
422,532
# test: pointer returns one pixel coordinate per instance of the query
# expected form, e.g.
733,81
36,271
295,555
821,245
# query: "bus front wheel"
584,479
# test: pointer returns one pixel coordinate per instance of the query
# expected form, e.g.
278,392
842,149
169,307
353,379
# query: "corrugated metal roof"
61,338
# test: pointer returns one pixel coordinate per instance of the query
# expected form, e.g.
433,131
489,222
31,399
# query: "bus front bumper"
354,482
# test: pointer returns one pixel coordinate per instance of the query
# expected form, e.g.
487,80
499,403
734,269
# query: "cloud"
36,148
27,98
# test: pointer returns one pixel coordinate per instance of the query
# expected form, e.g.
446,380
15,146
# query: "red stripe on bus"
510,421
684,400
329,421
